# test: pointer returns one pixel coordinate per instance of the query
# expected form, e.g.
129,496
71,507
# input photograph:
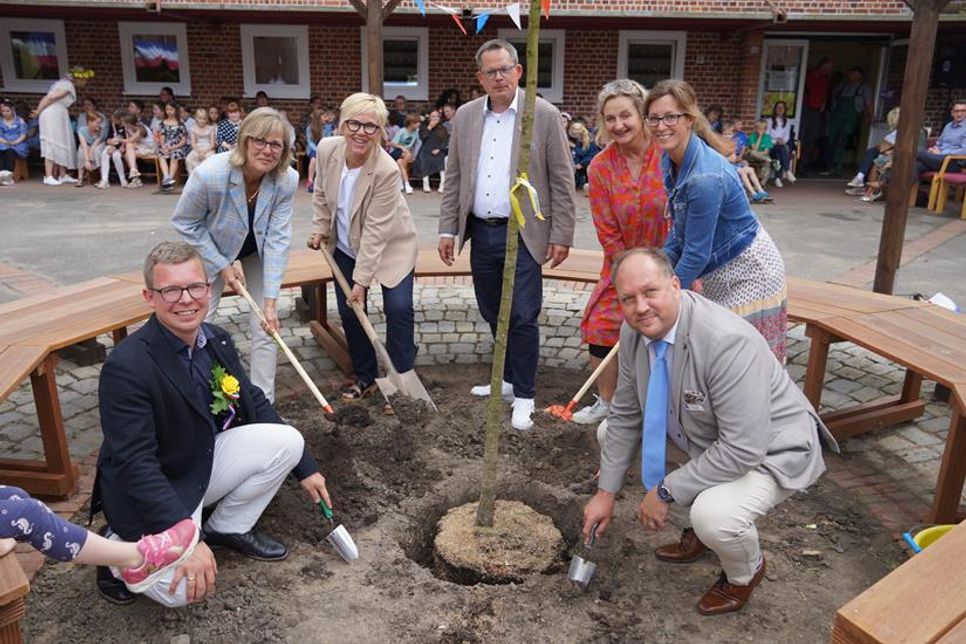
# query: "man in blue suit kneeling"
185,429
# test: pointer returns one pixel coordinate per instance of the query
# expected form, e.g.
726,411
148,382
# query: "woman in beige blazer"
361,216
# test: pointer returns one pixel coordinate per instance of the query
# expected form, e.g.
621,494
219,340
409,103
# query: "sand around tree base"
521,543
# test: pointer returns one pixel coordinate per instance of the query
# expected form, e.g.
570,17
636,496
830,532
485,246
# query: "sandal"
358,391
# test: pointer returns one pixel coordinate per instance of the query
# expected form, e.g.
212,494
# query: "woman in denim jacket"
717,246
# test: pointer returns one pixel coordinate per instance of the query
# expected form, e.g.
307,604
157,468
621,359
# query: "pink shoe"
161,552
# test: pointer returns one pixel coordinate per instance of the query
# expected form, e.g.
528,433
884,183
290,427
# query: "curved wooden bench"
922,337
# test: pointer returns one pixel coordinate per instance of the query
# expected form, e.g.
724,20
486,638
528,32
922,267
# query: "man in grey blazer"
480,169
751,437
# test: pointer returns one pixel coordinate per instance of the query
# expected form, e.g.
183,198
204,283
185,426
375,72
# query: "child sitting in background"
185,113
90,136
114,149
583,149
403,147
174,145
227,135
27,520
758,149
202,140
746,173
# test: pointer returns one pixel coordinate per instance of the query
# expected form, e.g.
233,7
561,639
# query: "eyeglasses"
259,144
354,126
171,294
669,119
499,71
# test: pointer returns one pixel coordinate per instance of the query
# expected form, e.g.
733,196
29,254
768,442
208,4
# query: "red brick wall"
724,68
711,8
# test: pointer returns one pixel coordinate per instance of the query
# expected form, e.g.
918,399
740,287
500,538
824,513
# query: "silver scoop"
582,570
339,538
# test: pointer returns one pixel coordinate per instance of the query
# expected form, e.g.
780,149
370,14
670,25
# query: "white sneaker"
67,179
6,178
426,187
857,181
101,185
51,181
483,391
789,177
601,433
778,183
522,409
408,188
592,413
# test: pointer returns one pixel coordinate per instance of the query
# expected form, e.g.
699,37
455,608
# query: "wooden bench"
923,600
13,588
925,339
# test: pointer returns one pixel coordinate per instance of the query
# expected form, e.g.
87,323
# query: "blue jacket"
212,216
712,222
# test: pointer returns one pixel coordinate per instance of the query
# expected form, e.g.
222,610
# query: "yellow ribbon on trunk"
523,183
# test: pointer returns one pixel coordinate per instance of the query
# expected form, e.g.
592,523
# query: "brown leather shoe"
725,597
686,550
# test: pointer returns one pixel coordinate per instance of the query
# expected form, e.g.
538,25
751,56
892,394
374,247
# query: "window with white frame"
651,56
33,54
275,60
550,61
405,62
154,55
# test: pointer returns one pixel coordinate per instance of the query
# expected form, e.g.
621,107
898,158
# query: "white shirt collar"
669,336
513,103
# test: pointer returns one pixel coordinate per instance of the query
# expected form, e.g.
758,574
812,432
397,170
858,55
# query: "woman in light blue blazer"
236,209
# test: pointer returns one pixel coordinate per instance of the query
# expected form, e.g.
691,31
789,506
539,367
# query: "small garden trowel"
339,538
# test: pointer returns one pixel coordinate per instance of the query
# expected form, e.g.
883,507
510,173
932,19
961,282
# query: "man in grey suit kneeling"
697,375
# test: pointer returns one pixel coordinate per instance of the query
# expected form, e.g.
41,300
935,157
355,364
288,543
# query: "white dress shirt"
347,187
492,197
674,431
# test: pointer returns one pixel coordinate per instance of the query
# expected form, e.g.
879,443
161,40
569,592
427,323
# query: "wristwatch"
663,493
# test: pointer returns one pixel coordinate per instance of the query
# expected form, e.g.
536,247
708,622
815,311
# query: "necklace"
254,194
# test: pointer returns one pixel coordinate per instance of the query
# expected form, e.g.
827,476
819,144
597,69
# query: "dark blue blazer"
156,458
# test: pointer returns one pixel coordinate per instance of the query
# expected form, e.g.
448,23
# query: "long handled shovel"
326,407
407,383
568,412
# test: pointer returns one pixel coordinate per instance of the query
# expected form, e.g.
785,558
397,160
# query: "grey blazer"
551,172
737,407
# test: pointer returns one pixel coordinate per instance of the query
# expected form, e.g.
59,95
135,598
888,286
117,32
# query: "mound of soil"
521,542
393,479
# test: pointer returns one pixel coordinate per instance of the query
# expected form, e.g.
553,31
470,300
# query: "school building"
741,54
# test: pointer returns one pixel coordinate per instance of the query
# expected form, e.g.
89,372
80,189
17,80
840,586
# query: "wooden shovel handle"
593,377
288,352
363,318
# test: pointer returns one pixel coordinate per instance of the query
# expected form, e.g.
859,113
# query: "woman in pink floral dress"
627,200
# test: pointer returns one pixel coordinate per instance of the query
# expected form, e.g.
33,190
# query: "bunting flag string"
512,10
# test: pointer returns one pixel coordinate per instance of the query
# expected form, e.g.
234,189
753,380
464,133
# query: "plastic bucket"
926,536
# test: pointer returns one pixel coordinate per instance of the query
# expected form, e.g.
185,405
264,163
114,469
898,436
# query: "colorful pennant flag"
513,10
546,8
481,21
422,7
459,23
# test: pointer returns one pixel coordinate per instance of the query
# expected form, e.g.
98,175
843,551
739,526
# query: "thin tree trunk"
494,410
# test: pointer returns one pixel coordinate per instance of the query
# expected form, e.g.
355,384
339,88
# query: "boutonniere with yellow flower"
225,390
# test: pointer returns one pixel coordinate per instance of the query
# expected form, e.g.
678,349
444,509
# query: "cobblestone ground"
893,470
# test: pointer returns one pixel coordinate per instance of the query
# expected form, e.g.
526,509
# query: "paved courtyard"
56,236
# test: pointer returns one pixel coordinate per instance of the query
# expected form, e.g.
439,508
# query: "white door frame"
784,42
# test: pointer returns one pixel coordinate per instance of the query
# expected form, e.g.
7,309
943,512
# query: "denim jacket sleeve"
696,211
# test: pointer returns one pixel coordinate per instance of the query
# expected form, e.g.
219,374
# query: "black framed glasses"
501,71
171,294
354,126
671,119
259,143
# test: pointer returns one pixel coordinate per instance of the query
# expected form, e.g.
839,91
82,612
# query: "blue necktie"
655,419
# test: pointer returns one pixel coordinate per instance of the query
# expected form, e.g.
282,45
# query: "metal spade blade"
339,538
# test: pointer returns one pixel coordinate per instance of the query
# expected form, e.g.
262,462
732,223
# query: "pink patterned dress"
628,212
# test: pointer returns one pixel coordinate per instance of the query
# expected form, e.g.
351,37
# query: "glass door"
783,77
